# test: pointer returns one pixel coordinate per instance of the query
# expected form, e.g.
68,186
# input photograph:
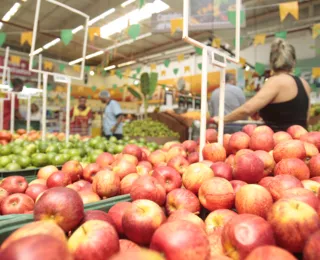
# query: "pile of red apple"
260,190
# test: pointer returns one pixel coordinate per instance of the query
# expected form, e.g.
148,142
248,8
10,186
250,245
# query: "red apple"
265,182
261,141
144,169
243,151
179,163
193,242
193,157
195,175
90,171
123,167
238,141
182,199
190,146
14,184
116,212
106,184
312,137
270,253
292,222
311,150
169,176
127,157
38,181
127,245
267,160
141,220
230,160
3,194
59,179
97,215
223,170
104,160
17,203
311,250
248,129
236,185
81,185
126,183
62,205
245,232
174,152
94,240
302,195
148,187
289,149
145,164
134,150
296,131
157,157
216,193
34,190
211,136
281,136
317,179
311,185
214,152
183,214
45,172
314,166
74,169
226,139
263,129
294,167
253,199
217,219
281,183
248,167
89,196
142,254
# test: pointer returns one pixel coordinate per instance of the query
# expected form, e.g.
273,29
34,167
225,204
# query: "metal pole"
39,68
221,105
13,96
68,111
44,106
28,113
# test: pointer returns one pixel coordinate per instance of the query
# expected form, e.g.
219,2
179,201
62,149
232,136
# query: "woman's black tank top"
280,116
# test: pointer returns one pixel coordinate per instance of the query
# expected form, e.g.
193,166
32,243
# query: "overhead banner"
21,69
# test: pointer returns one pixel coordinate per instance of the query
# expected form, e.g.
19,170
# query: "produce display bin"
29,174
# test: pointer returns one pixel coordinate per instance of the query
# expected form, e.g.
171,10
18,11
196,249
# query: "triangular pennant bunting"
112,72
138,70
87,69
76,68
260,68
119,74
66,36
216,43
134,31
315,31
26,37
316,72
62,67
163,73
141,3
259,39
242,61
175,71
297,72
289,8
153,66
92,32
232,17
200,66
176,24
3,37
15,59
282,35
167,63
198,50
187,69
180,57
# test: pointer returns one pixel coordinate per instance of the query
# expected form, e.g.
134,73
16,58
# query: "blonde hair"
282,56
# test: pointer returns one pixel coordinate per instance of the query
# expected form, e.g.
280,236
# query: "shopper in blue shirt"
112,116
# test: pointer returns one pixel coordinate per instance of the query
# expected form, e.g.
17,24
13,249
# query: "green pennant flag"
198,50
114,86
3,37
232,17
297,72
50,87
313,87
119,73
62,67
200,66
138,70
175,71
87,68
34,63
89,97
121,90
66,36
167,63
260,68
134,76
28,85
103,73
141,3
93,88
134,31
282,35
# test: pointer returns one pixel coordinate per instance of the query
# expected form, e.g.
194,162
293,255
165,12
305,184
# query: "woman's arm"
265,96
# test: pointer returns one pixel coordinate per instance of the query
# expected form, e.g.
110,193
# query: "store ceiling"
53,19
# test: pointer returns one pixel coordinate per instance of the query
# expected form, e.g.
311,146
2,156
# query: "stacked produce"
259,190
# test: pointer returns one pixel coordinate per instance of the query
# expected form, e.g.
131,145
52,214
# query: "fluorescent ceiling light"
11,12
94,55
75,61
77,29
91,73
124,4
132,17
52,43
110,67
101,16
36,51
151,56
1,24
127,63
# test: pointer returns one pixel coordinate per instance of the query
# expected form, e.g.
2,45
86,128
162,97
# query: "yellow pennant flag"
163,73
93,31
216,43
259,39
180,57
187,69
15,60
242,62
76,68
289,8
153,66
127,72
112,72
316,72
315,30
26,37
176,24
47,65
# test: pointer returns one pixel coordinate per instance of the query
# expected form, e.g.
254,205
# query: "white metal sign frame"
5,86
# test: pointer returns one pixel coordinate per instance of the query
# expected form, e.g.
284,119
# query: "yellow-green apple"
116,212
3,194
74,169
289,149
292,222
265,182
127,181
94,240
190,146
222,169
296,131
248,129
141,220
270,253
311,185
311,150
211,136
179,163
311,250
143,254
267,160
281,183
106,184
216,193
123,167
263,129
314,166
104,160
248,167
236,185
281,136
157,157
134,150
253,199
294,167
148,187
17,203
217,219
46,171
238,141
37,247
38,181
183,214
88,196
127,245
90,171
195,175
193,241
261,141
303,195
14,184
214,152
312,137
193,157
59,179
245,232
61,205
33,191
169,176
35,228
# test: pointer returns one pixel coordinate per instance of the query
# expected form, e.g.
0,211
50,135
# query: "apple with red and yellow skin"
183,214
141,220
226,139
314,166
261,141
270,253
267,160
230,159
214,152
127,245
317,179
182,199
207,163
211,136
35,228
90,171
222,170
74,169
127,181
88,196
144,168
302,195
193,157
94,240
106,184
195,175
217,219
116,212
243,151
105,159
193,241
292,222
248,129
294,167
216,193
190,146
45,172
14,184
236,185
34,191
38,181
216,248
127,157
311,185
134,150
245,232
263,129
168,145
36,247
312,137
296,131
59,179
179,163
248,167
174,152
17,203
157,157
289,149
311,250
253,199
281,136
238,141
265,182
123,168
281,183
142,254
311,150
169,176
97,215
3,194
81,185
61,205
